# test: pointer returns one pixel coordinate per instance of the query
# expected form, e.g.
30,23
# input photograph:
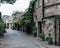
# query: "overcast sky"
19,5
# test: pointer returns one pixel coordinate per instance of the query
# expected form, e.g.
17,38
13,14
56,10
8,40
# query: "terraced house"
47,18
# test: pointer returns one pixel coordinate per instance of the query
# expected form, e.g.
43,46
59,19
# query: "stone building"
38,15
48,15
8,20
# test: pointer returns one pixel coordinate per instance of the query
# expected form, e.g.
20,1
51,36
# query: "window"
39,3
46,1
57,0
36,4
48,10
35,17
58,7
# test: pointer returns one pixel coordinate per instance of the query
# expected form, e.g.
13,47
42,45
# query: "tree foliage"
8,1
27,19
15,13
0,15
2,26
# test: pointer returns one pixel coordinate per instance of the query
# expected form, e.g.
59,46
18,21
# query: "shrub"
42,36
49,39
2,28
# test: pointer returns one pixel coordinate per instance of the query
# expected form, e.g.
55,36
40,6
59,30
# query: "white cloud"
20,5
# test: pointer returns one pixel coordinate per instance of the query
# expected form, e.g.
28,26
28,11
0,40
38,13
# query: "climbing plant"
7,1
28,20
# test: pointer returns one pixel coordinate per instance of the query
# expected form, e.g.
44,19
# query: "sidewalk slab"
43,43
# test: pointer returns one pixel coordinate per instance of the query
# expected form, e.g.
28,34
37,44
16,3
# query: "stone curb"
1,43
40,42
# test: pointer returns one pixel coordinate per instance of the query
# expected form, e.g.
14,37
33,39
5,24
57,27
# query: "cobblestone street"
17,39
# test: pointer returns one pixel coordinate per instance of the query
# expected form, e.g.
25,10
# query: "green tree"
2,26
8,1
28,20
15,13
0,15
15,21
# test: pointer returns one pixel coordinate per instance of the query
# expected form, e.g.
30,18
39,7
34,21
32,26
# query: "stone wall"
38,14
38,10
50,2
53,10
49,27
57,31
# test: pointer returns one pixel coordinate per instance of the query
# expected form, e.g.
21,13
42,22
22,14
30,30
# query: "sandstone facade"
50,23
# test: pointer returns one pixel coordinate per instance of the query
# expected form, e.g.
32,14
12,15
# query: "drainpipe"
43,8
43,14
55,31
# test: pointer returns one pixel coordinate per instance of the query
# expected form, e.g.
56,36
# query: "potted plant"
42,36
49,39
34,31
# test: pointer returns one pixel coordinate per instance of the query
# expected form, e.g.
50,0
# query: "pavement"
18,39
43,43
